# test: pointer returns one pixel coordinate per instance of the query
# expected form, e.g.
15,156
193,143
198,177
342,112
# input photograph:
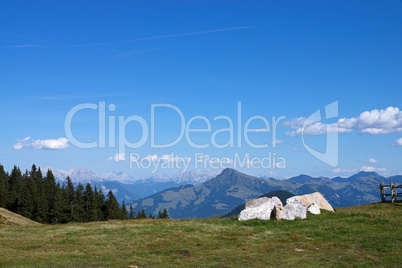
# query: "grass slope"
368,235
9,218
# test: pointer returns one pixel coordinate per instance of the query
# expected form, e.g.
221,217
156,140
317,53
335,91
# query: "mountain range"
199,194
232,188
128,188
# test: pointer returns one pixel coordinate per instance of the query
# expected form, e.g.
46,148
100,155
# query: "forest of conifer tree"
42,199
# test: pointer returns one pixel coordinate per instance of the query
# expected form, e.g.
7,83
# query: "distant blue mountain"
198,194
232,188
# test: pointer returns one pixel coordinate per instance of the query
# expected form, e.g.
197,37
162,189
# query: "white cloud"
294,122
339,170
50,144
372,161
363,168
367,168
117,158
60,143
277,142
18,146
371,169
398,142
371,122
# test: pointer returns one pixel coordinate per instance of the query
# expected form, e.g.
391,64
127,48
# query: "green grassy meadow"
362,236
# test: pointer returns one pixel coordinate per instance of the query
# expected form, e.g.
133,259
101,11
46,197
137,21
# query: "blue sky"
203,57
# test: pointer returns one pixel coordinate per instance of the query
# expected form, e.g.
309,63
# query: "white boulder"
308,199
314,209
260,208
290,212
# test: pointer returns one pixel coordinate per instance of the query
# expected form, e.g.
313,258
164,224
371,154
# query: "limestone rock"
263,201
255,213
314,209
290,212
307,199
260,208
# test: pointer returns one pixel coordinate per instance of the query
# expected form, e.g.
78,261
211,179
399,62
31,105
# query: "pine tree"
124,213
131,214
3,187
41,207
65,212
26,198
90,204
49,184
58,205
80,203
101,208
143,214
54,198
33,189
14,187
71,205
113,208
163,214
138,215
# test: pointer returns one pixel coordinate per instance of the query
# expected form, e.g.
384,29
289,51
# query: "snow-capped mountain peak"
84,175
120,176
76,175
194,177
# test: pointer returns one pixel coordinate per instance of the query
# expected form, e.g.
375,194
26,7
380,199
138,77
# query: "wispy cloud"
46,43
170,36
21,46
85,96
69,45
50,144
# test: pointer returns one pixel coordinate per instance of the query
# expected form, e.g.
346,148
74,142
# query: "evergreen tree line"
41,199
142,215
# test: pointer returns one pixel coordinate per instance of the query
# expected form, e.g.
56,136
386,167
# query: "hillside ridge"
10,218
